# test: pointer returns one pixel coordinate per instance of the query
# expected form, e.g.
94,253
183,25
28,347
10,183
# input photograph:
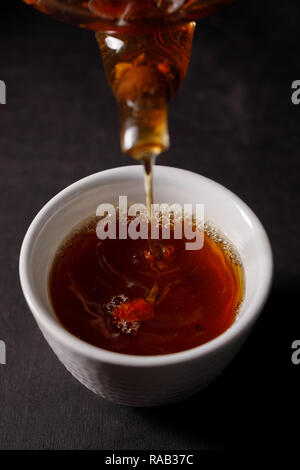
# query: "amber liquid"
145,46
120,296
127,15
133,296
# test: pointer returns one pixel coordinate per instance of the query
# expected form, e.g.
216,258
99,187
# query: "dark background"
232,121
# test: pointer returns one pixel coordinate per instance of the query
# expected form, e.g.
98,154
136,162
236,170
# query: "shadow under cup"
144,380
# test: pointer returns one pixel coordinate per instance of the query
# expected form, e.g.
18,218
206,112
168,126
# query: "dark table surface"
233,121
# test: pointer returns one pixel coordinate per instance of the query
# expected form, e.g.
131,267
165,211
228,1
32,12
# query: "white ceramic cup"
144,380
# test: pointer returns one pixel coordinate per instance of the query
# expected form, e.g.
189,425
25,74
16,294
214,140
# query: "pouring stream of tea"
144,71
146,47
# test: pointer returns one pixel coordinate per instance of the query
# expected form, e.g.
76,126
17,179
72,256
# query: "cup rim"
90,351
